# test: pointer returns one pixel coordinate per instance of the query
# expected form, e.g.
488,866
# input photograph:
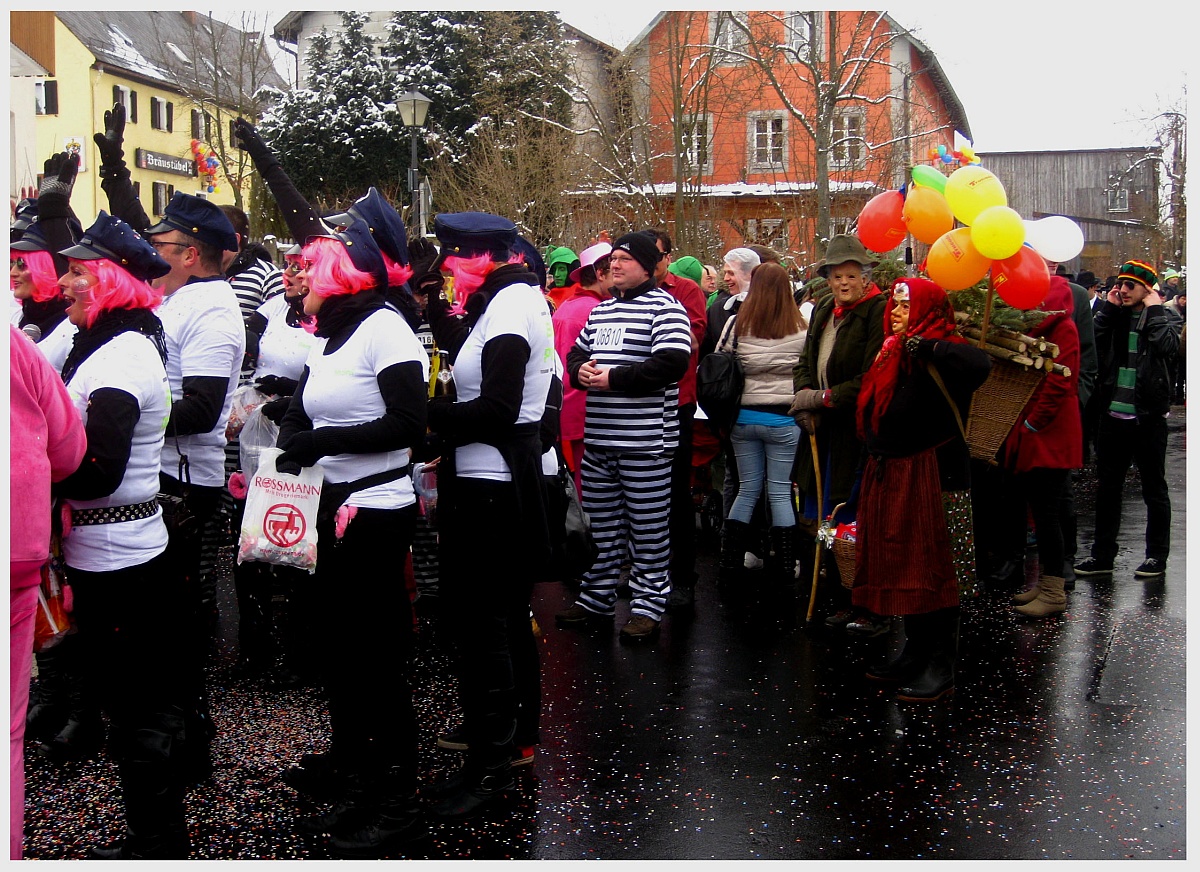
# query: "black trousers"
366,646
488,579
129,625
1120,444
683,508
1044,489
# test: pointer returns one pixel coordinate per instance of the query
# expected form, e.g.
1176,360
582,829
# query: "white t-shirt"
58,344
205,337
128,362
519,310
14,311
343,390
283,349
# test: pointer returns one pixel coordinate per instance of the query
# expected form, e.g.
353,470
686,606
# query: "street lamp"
413,107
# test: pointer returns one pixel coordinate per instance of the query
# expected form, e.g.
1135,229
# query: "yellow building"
182,77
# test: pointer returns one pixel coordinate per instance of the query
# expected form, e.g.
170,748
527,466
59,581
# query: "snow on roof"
736,189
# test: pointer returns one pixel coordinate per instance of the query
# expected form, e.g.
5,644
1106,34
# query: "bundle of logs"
1030,352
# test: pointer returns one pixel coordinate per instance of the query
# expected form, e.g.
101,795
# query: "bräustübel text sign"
167,163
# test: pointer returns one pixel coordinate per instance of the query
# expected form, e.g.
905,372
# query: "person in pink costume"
46,444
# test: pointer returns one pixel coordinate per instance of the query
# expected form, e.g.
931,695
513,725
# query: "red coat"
1053,410
688,293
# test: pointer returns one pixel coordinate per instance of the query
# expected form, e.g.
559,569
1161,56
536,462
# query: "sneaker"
1152,568
578,616
868,626
639,627
839,618
454,740
681,599
1092,566
523,757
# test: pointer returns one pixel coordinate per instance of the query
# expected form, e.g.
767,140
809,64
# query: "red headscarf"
930,316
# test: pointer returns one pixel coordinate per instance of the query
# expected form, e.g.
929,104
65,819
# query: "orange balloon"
881,222
927,214
953,261
1022,280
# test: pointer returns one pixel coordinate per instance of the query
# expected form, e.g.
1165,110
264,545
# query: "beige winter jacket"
768,364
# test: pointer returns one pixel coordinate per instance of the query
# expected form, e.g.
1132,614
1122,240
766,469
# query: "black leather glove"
421,255
274,410
301,449
60,171
277,385
112,156
253,144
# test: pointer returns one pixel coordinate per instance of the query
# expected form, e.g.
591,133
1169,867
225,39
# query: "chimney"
190,18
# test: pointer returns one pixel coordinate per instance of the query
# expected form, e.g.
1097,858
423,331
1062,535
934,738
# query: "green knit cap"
687,267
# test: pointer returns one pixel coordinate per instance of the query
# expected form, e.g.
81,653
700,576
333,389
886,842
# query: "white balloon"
1054,237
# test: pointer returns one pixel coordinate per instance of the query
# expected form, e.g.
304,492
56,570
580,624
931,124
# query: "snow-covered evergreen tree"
341,133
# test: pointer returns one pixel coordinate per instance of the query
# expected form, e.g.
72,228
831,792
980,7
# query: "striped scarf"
1122,402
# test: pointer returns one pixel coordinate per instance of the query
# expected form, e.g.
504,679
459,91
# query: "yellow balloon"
970,190
998,232
953,261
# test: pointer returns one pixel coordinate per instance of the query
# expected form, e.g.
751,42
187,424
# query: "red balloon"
1022,280
881,222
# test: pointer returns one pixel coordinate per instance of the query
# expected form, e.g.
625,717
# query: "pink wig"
116,288
41,270
469,274
331,272
398,274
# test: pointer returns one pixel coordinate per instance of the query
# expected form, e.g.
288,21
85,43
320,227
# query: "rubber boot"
1050,599
1029,595
478,789
911,661
783,543
935,680
733,550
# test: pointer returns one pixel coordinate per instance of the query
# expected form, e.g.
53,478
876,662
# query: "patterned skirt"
915,549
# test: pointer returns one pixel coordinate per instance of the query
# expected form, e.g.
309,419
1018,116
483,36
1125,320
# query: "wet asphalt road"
742,733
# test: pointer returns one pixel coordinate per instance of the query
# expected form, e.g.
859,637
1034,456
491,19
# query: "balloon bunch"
206,165
964,156
995,238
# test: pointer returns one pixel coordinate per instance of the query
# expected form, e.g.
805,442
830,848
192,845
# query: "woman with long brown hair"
768,334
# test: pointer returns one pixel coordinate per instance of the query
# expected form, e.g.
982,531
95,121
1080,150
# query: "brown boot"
1030,595
1050,599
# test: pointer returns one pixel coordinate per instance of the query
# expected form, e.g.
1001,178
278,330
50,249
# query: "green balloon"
929,177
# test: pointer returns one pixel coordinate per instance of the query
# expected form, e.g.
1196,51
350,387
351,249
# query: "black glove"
277,385
251,143
112,157
919,347
274,410
421,255
286,467
59,178
301,449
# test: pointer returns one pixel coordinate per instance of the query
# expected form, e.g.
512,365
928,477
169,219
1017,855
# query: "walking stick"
812,597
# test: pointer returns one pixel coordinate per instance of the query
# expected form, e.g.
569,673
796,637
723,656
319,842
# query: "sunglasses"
292,268
1128,285
19,263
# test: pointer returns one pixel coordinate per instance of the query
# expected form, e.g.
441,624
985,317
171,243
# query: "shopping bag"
280,522
245,400
258,433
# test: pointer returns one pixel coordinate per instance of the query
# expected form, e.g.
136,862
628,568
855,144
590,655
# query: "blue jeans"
774,448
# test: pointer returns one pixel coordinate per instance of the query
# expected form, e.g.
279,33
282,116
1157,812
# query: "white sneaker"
753,562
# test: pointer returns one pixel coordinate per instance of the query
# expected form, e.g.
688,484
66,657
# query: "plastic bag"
258,433
53,622
280,522
424,478
246,399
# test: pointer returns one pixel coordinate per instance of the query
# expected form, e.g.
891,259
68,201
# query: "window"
842,225
45,95
199,125
162,114
849,148
162,196
727,34
803,35
128,99
697,144
768,140
1118,199
772,232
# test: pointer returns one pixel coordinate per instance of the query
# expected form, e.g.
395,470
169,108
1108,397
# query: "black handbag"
573,548
720,381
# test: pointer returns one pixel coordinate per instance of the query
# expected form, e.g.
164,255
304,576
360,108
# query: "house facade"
1113,194
161,66
747,112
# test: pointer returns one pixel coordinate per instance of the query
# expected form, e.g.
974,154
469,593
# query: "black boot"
936,677
734,538
477,789
783,543
386,818
317,776
82,736
349,812
911,661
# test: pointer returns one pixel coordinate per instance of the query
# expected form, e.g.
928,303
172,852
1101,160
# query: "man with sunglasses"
1136,341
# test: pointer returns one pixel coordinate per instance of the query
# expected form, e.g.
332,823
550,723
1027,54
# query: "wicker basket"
843,556
997,405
